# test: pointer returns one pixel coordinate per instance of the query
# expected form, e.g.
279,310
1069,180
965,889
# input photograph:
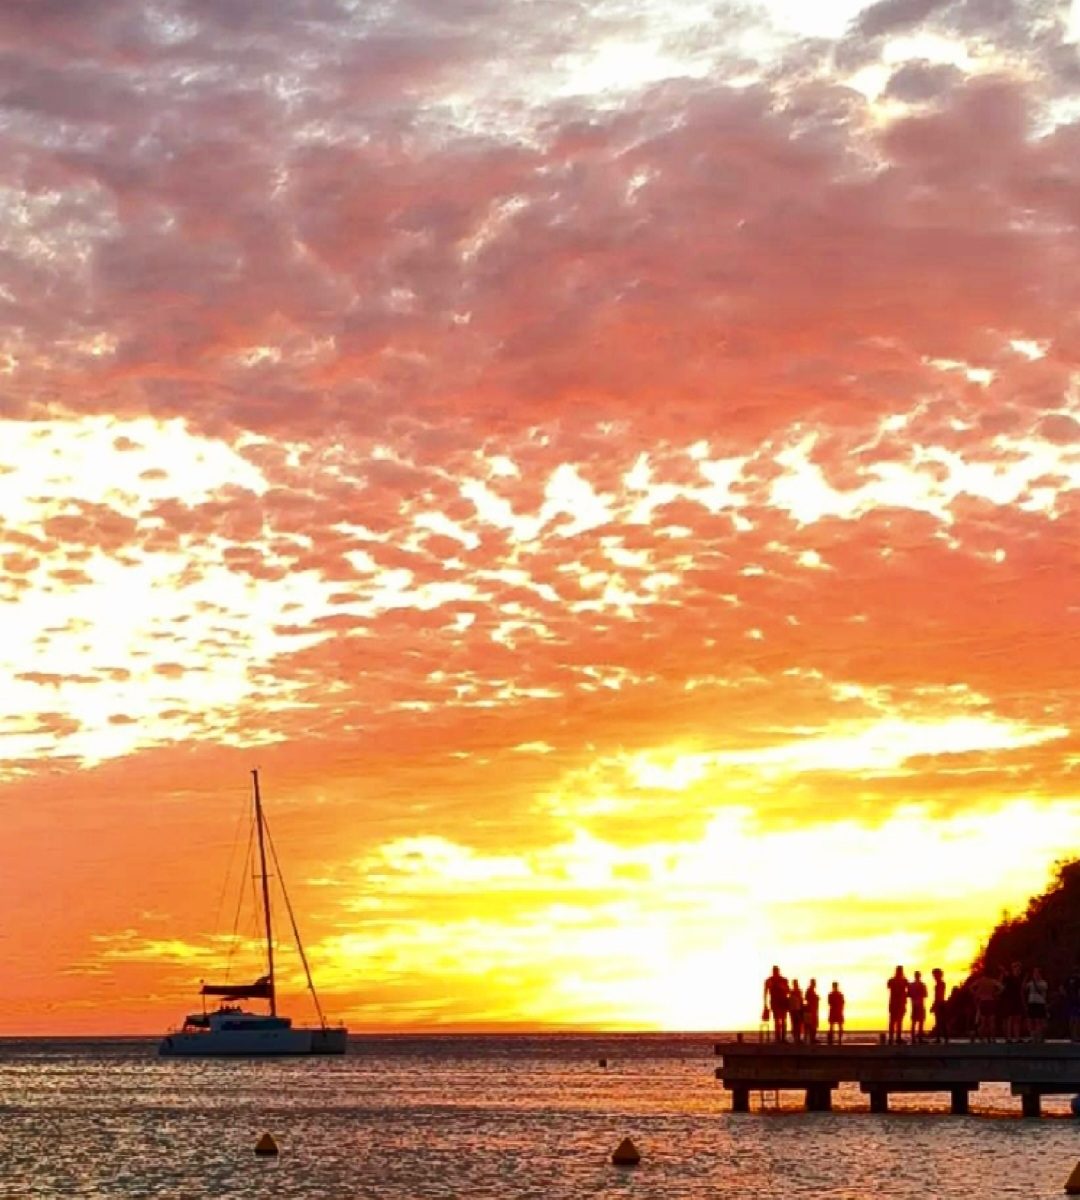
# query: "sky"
611,465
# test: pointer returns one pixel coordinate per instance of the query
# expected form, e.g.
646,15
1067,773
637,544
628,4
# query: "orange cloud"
558,479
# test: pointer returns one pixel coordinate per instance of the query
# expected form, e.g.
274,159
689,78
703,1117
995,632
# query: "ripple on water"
427,1119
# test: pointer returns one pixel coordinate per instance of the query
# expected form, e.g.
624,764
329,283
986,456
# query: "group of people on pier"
901,990
1012,1004
787,1002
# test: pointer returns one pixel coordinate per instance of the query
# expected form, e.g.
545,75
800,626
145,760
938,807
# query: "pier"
1033,1069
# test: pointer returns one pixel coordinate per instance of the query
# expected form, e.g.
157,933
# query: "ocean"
471,1117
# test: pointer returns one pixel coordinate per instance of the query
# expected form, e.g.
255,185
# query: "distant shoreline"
475,1034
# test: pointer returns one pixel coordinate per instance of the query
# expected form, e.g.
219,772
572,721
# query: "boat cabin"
233,1019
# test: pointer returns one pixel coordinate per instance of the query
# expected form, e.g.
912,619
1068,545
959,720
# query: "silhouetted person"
1011,1004
811,1012
1037,1000
984,991
836,1014
776,1001
1072,1005
939,1007
796,1011
961,1012
917,995
898,998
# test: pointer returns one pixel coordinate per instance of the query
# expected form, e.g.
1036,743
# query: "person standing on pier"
1038,992
985,991
917,994
960,1016
796,1011
812,1002
939,1007
1011,1004
898,998
836,1014
776,1002
1072,1004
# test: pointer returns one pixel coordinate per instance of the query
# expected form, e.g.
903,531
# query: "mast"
265,895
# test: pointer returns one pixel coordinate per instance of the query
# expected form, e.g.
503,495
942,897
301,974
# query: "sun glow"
687,928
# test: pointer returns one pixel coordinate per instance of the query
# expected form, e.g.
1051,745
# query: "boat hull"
329,1041
267,1043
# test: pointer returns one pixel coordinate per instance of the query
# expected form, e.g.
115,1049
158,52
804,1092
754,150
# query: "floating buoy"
626,1154
266,1145
1072,1184
603,1062
1074,1104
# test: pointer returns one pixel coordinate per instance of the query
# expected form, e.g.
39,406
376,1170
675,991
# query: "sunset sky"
612,465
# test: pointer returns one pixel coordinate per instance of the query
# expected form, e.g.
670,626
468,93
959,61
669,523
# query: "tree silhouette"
1046,935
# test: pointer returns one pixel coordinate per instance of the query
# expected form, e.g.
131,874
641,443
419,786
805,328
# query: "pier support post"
960,1104
879,1100
819,1098
740,1099
1031,1104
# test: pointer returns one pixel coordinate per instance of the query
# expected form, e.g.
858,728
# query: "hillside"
1046,935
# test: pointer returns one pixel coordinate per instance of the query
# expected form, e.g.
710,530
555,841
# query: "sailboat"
231,1029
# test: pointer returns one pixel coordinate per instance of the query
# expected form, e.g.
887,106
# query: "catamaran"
231,1029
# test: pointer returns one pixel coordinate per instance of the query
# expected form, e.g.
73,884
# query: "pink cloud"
477,375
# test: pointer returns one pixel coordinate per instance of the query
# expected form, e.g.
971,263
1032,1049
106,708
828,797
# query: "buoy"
266,1144
1074,1104
1072,1184
603,1062
626,1154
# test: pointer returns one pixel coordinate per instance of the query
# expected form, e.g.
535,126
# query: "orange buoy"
1072,1184
266,1145
626,1154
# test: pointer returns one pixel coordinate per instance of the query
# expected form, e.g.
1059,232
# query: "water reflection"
423,1118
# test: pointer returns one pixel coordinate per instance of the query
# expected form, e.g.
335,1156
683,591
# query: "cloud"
889,16
921,81
377,403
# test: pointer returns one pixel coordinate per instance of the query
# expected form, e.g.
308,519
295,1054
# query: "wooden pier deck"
1033,1069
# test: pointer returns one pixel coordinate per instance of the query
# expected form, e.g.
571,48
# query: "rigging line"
292,921
228,871
239,901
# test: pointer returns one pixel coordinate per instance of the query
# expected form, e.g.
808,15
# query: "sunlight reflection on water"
428,1118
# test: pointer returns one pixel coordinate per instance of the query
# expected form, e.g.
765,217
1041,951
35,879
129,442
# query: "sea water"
430,1118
